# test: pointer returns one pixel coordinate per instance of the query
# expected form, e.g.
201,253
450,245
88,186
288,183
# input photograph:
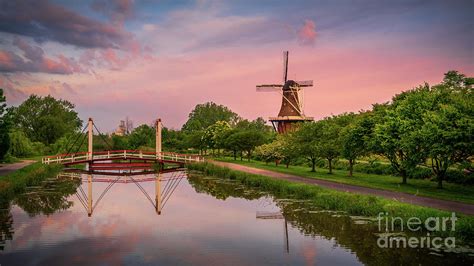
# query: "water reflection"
113,219
164,186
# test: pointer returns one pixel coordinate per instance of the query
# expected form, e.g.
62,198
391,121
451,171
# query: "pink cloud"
307,33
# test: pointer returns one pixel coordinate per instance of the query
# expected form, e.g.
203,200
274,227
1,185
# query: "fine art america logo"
394,228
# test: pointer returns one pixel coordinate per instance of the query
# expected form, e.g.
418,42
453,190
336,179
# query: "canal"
182,218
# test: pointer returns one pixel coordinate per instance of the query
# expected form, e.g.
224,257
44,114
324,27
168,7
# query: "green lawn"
453,192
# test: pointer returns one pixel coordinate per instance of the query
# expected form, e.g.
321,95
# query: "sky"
148,59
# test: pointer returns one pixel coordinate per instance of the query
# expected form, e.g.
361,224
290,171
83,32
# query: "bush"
460,177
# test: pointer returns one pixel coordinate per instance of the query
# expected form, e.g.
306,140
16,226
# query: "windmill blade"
269,88
285,66
305,83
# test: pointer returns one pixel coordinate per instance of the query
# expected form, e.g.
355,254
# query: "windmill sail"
285,66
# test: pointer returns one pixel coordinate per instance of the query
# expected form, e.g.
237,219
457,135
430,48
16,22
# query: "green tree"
144,135
207,114
355,139
4,126
46,119
448,128
215,134
249,140
306,138
20,145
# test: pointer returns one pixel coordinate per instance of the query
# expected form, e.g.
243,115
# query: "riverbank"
31,175
6,168
353,204
417,187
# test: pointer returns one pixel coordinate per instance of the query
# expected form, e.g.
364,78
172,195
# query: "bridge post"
89,149
158,193
158,138
89,195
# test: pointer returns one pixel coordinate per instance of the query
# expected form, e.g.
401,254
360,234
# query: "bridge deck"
85,157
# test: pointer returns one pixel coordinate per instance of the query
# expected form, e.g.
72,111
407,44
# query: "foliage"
143,135
306,140
215,134
4,126
46,119
205,115
20,145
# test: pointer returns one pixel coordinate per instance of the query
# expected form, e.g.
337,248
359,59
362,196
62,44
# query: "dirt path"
399,196
8,168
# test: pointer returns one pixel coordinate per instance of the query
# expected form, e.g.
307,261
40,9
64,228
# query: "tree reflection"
50,197
220,188
6,225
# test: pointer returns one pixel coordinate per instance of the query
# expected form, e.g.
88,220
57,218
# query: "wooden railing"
82,157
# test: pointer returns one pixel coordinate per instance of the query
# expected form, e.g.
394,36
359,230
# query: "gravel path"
452,206
8,168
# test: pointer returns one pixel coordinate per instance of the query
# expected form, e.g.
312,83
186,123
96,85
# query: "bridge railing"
82,157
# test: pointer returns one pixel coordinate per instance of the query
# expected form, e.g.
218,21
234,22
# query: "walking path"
399,196
8,168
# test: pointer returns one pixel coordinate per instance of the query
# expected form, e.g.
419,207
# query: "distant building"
122,129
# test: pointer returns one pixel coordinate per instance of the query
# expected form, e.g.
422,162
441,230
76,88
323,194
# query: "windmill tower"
291,110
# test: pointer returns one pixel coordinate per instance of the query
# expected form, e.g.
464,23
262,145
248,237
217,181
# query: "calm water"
203,221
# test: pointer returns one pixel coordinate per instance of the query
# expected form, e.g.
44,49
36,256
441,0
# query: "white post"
89,149
89,195
158,138
158,193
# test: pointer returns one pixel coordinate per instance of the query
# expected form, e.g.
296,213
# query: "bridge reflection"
164,185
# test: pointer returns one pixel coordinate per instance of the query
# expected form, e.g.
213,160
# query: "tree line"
428,126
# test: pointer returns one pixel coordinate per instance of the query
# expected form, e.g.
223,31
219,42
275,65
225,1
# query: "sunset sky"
149,59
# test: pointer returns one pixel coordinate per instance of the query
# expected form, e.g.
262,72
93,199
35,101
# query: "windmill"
292,105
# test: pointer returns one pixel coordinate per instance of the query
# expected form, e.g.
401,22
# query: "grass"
420,187
353,204
31,175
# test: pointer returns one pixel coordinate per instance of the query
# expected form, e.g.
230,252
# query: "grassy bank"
421,187
30,175
353,204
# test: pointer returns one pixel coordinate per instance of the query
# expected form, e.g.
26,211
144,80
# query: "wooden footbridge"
119,159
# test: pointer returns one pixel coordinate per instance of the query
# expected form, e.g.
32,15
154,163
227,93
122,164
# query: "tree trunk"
404,176
287,164
351,167
440,181
241,156
330,165
248,155
313,165
235,155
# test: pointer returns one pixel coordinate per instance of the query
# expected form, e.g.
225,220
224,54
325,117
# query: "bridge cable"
105,191
171,188
168,186
82,142
166,200
72,146
143,191
103,138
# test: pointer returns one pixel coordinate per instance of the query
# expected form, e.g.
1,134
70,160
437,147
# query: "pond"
181,218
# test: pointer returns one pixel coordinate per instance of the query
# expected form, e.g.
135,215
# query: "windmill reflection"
164,185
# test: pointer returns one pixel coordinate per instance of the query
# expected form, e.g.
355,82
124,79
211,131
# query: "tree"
397,137
46,119
214,135
329,144
249,140
270,152
447,130
144,135
4,126
232,142
207,114
20,145
355,139
306,140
